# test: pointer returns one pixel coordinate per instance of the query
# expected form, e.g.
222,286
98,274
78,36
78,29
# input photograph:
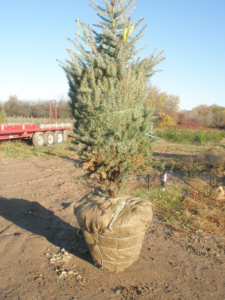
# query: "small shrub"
167,121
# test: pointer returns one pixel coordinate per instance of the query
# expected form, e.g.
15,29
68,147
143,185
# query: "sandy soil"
43,257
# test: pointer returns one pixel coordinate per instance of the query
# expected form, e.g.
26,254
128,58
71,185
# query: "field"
43,257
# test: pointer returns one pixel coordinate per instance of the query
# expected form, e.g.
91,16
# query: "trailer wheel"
49,138
38,139
65,135
58,137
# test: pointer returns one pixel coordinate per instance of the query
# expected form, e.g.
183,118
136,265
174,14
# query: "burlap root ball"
114,229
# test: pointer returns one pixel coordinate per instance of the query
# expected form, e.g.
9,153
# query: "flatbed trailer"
44,134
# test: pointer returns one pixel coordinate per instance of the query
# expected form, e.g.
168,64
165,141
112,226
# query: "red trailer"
45,134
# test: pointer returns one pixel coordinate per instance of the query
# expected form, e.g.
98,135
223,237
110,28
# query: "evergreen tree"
107,89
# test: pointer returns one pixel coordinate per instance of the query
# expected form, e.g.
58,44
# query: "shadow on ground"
38,220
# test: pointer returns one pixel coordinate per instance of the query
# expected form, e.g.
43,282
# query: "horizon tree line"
166,110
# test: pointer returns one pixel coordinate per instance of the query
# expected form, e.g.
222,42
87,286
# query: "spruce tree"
107,83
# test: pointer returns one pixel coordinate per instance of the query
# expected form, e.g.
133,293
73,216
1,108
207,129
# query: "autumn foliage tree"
165,106
208,116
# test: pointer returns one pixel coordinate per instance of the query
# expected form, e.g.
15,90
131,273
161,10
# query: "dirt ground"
43,257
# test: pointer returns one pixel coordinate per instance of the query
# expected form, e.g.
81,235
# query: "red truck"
45,134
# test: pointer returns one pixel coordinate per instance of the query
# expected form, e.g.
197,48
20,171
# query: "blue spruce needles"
107,84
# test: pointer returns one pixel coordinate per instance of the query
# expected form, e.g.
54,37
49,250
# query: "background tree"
11,106
209,116
219,115
203,112
64,109
166,107
36,109
107,89
3,116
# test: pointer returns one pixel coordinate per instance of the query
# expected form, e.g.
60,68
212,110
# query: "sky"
33,34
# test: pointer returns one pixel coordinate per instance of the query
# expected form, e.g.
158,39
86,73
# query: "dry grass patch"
205,211
199,211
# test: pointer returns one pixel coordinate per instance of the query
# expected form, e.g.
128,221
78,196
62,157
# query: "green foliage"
168,204
199,137
3,116
107,89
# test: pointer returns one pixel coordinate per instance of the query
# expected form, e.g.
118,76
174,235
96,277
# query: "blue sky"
33,34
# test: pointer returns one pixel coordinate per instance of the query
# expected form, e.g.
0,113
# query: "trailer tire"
65,135
38,139
58,137
49,139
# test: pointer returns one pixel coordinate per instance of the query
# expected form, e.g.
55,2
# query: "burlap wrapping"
114,229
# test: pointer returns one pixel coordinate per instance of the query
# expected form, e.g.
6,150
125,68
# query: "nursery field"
43,256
